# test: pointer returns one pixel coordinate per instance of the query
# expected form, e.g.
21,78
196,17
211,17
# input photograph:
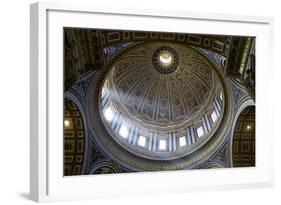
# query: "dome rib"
182,96
144,95
198,77
191,89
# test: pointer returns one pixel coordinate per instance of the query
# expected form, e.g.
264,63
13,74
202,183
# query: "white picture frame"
46,177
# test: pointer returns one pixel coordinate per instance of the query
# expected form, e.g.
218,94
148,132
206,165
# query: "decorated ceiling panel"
157,98
74,139
243,148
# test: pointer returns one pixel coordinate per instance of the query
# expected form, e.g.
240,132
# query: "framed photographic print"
130,102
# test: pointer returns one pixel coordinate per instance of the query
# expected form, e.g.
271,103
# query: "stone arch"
104,167
214,164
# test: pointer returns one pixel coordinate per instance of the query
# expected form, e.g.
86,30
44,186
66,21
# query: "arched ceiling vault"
74,139
243,145
159,115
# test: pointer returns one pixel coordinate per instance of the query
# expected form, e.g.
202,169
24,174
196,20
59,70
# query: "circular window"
165,59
